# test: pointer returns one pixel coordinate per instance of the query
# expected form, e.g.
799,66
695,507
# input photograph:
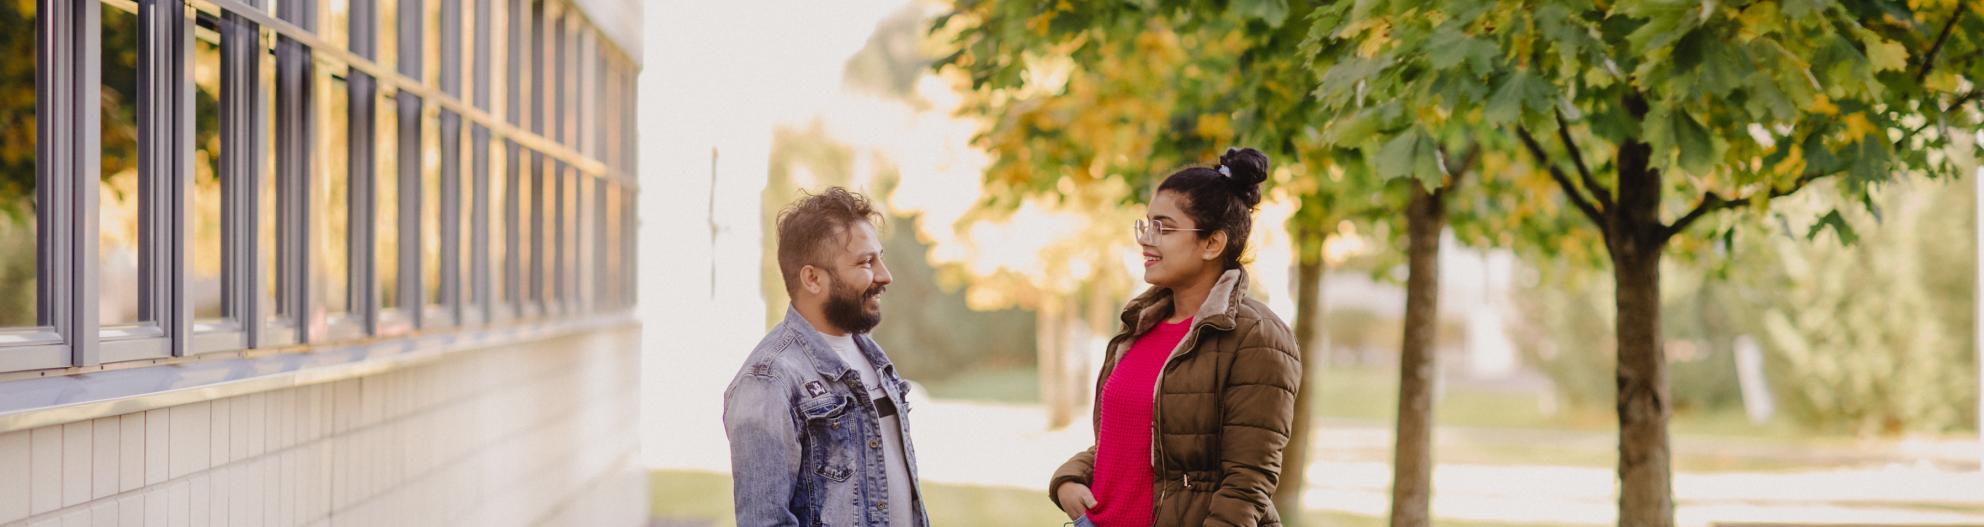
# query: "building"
318,262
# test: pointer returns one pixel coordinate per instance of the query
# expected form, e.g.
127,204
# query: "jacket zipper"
1156,446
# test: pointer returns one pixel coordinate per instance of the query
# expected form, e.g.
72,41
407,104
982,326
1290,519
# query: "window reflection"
19,242
501,237
386,198
330,221
430,205
333,21
205,250
266,97
117,193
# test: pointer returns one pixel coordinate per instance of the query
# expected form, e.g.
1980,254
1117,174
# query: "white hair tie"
1223,171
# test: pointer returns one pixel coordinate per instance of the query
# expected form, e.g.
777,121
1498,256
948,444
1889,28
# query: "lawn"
703,499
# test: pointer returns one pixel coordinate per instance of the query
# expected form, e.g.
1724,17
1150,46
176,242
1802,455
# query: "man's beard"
848,308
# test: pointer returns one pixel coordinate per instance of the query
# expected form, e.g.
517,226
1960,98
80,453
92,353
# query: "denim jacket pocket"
830,431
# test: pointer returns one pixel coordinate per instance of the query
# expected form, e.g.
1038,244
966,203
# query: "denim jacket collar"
822,355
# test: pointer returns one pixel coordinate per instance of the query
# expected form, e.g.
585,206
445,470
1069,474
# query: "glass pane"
333,21
389,34
430,205
271,275
117,194
430,38
469,52
205,250
386,199
527,230
569,250
465,225
330,195
613,246
19,243
500,234
498,48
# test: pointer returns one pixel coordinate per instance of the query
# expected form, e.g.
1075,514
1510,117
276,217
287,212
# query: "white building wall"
536,433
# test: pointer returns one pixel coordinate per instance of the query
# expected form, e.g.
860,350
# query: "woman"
1197,394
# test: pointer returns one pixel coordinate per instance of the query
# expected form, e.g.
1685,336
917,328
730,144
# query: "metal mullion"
364,282
560,243
295,139
412,56
481,288
600,285
410,182
450,26
163,190
629,237
87,145
512,238
537,95
241,141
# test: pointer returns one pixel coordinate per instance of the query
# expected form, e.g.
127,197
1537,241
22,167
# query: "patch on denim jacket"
815,388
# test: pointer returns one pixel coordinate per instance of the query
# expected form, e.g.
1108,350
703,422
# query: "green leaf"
1522,92
1447,49
1273,12
1833,221
1672,128
1697,150
1886,55
1411,154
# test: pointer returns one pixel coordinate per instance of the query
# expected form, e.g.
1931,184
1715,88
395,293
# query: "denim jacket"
805,440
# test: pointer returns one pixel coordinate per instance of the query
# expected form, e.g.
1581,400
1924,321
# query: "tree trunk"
1412,466
1051,340
1635,242
1308,328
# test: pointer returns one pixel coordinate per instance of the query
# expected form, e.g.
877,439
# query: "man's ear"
1213,246
812,279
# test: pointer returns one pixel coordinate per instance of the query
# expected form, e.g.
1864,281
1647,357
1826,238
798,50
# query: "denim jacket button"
874,443
882,505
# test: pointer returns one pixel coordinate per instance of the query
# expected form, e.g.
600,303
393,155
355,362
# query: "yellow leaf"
1793,163
1822,104
1759,19
1857,126
1886,54
1215,126
1942,80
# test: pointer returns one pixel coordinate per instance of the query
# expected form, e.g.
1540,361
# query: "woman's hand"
1075,499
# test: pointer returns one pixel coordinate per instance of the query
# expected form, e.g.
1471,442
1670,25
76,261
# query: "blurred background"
1812,381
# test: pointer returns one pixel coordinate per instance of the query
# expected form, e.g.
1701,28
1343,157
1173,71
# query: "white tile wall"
16,450
539,434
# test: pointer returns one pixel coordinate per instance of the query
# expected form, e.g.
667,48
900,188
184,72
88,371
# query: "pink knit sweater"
1122,481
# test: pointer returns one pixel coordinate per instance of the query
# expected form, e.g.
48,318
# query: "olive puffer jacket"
1223,408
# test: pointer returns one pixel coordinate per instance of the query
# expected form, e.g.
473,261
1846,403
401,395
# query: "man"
818,432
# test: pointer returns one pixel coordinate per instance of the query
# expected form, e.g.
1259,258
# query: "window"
386,198
502,234
330,196
120,223
430,206
207,249
244,190
20,242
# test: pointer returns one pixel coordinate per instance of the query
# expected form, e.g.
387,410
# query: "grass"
697,497
700,498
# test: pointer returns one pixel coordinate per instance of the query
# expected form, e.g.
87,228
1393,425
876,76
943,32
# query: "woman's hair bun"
1245,168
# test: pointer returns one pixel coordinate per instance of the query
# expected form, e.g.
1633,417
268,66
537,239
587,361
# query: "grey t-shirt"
900,496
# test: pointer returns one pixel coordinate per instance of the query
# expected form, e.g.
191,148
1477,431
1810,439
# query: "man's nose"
882,276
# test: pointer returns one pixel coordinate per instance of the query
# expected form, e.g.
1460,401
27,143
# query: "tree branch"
1570,189
1929,59
1712,202
1599,192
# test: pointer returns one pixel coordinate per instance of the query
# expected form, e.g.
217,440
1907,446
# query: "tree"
1648,109
1065,87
